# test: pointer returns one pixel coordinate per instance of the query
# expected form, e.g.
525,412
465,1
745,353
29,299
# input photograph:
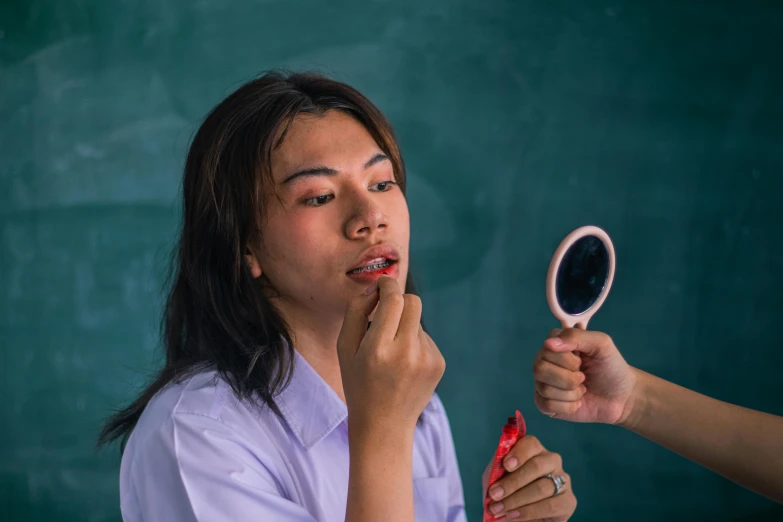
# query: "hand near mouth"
389,369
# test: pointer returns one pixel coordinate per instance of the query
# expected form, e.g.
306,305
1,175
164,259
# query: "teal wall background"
519,121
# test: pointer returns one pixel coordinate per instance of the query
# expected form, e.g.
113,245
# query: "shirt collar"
311,407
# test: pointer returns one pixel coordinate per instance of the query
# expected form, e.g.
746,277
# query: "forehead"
333,139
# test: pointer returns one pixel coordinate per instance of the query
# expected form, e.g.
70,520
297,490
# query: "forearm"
380,485
743,445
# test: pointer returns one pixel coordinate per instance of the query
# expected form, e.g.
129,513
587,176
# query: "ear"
253,265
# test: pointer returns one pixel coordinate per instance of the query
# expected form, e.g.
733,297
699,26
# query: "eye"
384,186
318,201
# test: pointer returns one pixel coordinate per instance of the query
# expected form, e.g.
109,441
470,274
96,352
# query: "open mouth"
373,265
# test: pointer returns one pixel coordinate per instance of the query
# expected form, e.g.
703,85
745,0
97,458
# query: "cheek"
300,238
402,218
400,215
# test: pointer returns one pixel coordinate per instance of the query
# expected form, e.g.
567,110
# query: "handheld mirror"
580,276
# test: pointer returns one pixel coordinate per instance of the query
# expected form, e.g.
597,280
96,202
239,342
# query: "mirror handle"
582,325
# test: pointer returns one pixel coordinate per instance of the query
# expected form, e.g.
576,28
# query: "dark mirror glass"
582,274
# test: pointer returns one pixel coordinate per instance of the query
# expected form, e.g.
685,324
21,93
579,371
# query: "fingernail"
581,377
583,388
511,464
496,508
372,288
555,342
513,514
496,493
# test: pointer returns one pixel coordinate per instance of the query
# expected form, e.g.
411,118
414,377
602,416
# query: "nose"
366,219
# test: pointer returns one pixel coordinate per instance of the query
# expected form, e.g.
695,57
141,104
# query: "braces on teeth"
372,267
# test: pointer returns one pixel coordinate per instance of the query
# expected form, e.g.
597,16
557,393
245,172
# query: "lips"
375,258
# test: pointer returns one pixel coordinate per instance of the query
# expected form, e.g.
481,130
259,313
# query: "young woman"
277,401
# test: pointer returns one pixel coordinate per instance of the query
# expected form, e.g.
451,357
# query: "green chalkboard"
661,122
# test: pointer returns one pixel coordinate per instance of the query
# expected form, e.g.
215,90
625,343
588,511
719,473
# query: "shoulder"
197,446
195,407
204,394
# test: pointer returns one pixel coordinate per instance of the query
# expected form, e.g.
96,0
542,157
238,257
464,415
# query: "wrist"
637,402
381,470
379,435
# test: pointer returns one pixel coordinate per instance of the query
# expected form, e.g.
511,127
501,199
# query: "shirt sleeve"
448,456
197,469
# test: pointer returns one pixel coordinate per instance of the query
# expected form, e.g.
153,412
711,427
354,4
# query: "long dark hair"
216,314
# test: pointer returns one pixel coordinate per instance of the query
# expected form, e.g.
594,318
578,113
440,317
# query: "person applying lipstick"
276,400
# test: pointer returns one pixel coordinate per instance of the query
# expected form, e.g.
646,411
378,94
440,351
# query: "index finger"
567,360
525,449
355,324
589,342
410,320
390,306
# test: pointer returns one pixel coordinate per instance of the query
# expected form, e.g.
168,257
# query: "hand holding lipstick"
535,487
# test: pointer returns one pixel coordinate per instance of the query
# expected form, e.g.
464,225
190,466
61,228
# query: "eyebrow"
327,171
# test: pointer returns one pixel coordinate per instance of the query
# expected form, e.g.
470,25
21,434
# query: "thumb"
355,322
576,340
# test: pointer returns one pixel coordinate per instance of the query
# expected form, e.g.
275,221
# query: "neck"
315,338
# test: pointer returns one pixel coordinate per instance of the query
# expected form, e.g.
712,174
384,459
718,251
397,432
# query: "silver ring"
559,481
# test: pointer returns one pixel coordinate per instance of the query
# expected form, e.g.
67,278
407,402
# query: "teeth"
375,264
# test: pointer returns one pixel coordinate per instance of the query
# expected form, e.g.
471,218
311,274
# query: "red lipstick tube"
513,431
